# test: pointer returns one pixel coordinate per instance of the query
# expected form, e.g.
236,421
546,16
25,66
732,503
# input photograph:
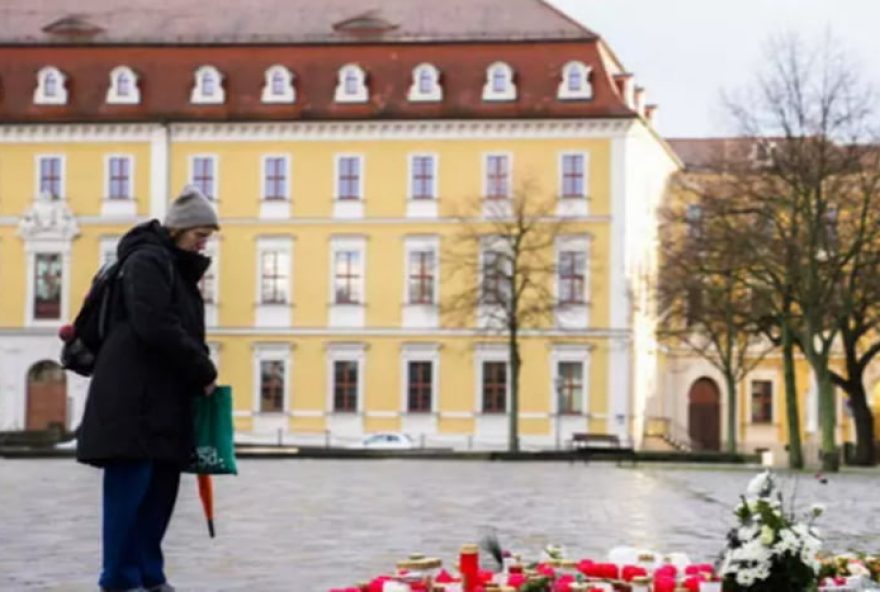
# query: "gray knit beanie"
191,209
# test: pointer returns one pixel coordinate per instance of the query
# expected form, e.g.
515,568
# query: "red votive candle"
469,566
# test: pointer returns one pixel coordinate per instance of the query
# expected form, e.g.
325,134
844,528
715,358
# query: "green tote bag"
215,449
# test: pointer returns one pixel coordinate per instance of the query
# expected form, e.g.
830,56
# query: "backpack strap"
118,271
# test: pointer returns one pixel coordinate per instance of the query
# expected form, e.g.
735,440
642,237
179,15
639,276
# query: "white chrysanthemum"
759,485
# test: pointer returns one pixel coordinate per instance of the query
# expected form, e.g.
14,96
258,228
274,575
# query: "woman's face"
194,239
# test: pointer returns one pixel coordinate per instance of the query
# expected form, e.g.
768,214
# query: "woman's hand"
209,389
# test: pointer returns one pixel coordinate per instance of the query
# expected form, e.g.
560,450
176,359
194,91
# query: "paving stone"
305,526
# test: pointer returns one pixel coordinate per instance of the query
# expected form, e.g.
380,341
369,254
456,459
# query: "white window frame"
571,206
40,96
113,96
421,315
585,92
419,352
361,94
570,353
773,378
212,250
422,207
348,314
125,207
108,245
271,352
215,169
510,188
411,158
275,208
348,208
63,174
37,247
508,93
487,314
288,96
573,315
345,352
198,96
490,352
273,314
435,94
497,207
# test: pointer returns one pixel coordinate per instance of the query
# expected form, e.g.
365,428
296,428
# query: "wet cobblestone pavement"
304,526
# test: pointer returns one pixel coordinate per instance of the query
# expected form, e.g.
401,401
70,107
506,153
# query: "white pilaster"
159,147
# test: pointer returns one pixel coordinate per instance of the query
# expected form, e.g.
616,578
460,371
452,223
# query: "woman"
138,423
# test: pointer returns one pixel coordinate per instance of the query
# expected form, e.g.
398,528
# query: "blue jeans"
139,498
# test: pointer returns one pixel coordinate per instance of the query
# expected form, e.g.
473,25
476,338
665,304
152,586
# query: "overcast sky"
685,51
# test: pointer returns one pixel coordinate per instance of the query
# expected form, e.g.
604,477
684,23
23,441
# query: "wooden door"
46,397
704,415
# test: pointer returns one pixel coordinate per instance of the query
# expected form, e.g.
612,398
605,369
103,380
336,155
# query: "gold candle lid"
419,562
470,549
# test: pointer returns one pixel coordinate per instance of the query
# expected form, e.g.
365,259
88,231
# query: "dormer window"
123,87
499,83
51,88
425,84
575,82
278,87
208,88
351,86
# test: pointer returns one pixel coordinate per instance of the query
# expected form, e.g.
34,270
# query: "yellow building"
691,404
337,149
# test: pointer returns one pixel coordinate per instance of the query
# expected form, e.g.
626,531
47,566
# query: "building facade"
338,148
692,403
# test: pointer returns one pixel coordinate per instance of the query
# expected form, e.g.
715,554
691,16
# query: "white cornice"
400,130
319,131
359,334
77,132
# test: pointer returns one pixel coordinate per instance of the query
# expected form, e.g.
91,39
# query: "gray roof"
50,22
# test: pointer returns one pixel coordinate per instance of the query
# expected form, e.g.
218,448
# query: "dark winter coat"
154,359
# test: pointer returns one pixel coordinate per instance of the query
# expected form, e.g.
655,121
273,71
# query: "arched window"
51,88
575,83
208,87
351,85
123,87
425,84
499,83
278,87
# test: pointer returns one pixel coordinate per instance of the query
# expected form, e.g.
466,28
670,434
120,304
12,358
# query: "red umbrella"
206,493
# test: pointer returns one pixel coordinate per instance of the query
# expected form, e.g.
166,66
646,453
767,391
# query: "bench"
585,445
585,439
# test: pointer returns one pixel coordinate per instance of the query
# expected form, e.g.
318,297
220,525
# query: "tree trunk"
513,432
795,451
827,419
866,450
732,416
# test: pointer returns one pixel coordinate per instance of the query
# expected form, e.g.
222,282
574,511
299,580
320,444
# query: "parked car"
387,441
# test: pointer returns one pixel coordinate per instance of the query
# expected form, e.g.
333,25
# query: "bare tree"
503,258
706,304
813,117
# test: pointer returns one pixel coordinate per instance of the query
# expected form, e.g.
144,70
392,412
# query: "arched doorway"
704,414
46,397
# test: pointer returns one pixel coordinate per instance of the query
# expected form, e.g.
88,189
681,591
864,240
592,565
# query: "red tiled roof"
166,80
710,153
175,22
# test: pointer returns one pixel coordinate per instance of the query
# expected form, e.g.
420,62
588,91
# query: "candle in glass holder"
469,566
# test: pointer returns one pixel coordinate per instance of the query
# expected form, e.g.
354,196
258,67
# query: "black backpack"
83,339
